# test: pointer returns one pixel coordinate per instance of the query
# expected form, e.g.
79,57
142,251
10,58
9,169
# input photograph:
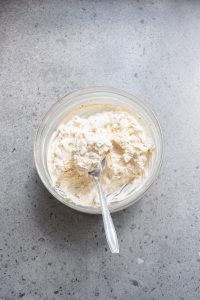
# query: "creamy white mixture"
79,145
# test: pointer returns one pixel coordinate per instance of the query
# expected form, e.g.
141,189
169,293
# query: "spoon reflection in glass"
111,235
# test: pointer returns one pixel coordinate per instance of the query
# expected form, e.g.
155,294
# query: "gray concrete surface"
50,48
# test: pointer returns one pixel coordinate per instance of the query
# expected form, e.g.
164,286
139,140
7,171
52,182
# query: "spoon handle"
111,235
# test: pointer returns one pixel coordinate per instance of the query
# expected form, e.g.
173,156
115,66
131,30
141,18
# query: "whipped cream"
79,145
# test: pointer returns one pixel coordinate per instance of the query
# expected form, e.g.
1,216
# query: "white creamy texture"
79,145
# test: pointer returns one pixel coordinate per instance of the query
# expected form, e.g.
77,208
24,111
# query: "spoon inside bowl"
111,235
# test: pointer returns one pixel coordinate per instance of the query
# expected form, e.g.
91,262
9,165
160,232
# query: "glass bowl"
96,95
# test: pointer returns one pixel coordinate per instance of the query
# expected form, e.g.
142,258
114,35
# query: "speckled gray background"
50,48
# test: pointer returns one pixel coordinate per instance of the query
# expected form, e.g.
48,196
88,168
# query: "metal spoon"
111,235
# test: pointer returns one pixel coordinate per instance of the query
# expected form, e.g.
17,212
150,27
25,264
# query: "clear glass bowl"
96,95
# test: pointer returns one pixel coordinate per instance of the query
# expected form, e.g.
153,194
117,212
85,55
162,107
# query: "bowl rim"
88,90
